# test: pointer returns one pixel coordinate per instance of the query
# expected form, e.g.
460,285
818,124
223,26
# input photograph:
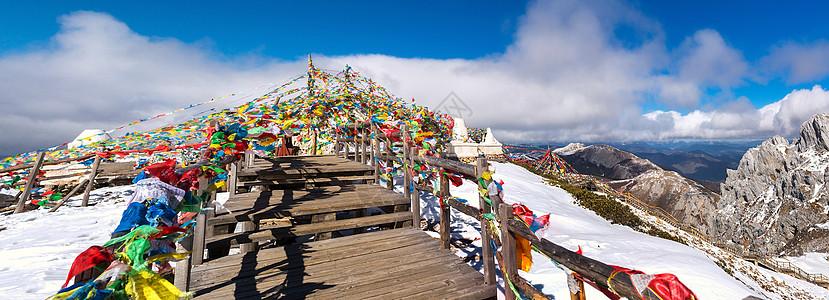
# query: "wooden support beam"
71,193
249,158
445,214
30,183
415,194
184,266
199,234
249,226
345,146
233,178
363,143
389,164
314,144
336,144
507,247
91,182
486,250
407,176
375,146
321,218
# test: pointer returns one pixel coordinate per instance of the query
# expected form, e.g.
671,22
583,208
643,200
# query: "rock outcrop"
778,193
685,199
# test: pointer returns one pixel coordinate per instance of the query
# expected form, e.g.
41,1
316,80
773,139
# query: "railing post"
445,214
415,193
486,249
336,143
199,234
91,182
345,146
363,143
375,146
249,226
389,163
407,177
357,153
27,191
507,248
249,157
183,267
233,178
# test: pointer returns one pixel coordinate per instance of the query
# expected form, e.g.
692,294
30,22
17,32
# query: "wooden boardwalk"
285,200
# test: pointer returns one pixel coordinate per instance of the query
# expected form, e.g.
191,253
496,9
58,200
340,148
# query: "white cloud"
741,119
96,72
799,62
565,77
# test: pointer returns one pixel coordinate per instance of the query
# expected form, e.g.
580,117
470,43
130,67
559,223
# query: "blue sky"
537,71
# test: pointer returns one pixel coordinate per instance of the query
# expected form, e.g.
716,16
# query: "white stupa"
89,136
466,151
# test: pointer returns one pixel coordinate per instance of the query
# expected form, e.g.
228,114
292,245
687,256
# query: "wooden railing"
402,155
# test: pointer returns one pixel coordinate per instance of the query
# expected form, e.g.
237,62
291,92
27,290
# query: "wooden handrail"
592,269
47,163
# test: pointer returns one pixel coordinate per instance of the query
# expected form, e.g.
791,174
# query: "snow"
569,149
37,248
572,226
810,262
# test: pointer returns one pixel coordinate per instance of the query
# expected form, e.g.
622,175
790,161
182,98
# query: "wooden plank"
241,265
273,234
475,293
365,280
305,180
30,183
91,183
346,242
248,209
331,271
440,286
416,281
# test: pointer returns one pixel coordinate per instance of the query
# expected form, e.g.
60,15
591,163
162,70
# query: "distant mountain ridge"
688,201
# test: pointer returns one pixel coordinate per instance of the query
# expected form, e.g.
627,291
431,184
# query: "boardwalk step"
274,204
391,264
278,233
289,181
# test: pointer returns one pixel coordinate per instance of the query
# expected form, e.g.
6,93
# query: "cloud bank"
567,76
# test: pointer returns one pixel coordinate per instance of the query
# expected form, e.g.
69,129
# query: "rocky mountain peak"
778,192
814,134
